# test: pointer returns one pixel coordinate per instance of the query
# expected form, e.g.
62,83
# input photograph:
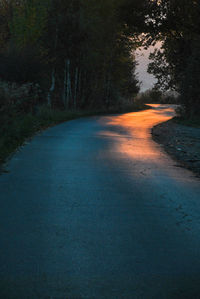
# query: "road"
94,208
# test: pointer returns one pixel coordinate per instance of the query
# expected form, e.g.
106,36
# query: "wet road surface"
93,208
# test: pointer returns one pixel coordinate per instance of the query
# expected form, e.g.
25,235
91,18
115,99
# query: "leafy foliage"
176,65
80,51
153,96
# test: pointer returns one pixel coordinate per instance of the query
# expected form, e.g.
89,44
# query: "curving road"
93,208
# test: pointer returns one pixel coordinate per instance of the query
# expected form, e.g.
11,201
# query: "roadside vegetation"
154,96
64,59
177,64
192,122
21,117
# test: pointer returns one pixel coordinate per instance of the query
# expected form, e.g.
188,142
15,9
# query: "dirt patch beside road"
181,142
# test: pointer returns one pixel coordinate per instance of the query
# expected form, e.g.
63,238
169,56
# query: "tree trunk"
76,88
53,77
83,96
69,89
52,88
65,84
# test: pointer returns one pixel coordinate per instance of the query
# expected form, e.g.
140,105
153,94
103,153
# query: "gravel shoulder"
181,142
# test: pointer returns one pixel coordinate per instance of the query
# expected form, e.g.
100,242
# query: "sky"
142,57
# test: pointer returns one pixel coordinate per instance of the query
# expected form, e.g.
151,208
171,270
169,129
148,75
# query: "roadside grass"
191,122
20,127
16,128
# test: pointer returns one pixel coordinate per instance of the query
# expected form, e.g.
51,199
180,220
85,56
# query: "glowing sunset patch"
136,127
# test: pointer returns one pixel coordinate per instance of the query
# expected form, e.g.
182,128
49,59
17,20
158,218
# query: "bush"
21,65
23,98
153,96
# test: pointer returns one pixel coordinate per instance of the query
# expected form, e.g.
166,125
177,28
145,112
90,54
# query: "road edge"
168,135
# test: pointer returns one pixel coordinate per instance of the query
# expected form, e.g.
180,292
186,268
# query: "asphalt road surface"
93,208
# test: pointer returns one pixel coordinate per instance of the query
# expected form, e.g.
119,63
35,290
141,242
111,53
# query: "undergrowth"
191,122
17,127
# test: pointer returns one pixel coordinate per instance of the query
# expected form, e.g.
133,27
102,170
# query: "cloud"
142,57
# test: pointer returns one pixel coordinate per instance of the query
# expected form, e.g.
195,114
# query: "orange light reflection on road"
136,131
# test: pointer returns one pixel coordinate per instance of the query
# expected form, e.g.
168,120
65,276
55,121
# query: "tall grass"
23,114
18,127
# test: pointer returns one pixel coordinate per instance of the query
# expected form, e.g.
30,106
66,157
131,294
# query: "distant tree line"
80,52
153,96
177,64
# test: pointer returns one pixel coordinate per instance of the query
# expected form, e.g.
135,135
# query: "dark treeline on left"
60,59
77,53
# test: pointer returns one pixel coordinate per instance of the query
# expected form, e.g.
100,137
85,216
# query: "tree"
82,49
175,65
29,21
